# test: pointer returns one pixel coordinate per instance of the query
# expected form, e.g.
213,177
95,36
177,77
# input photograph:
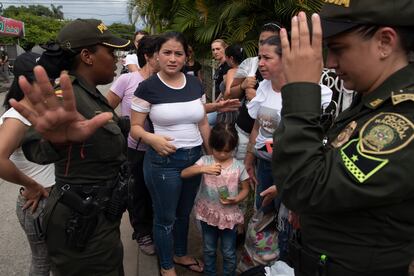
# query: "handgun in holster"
82,221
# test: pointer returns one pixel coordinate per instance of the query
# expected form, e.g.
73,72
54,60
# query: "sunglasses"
272,25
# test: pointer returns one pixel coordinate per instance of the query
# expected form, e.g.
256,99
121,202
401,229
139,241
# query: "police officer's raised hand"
302,57
56,120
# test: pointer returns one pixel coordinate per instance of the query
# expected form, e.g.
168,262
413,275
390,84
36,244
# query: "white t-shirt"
174,112
131,59
266,107
42,174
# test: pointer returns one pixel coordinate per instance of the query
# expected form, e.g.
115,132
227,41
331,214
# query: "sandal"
191,265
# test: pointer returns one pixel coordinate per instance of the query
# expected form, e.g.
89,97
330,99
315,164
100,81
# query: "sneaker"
146,245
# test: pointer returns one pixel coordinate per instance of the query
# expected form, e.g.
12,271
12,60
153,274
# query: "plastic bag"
279,268
261,245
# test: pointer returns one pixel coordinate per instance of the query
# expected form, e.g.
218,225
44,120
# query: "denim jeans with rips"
173,199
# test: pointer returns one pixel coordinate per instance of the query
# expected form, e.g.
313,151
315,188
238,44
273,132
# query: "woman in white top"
173,102
14,167
266,109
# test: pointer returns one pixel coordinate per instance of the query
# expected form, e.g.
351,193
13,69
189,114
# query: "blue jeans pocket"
158,159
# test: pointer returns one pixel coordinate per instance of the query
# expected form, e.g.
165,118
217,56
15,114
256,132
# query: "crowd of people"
339,197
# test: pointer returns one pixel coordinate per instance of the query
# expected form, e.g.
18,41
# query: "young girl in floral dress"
224,185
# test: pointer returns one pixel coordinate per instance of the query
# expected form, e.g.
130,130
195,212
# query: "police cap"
338,16
88,32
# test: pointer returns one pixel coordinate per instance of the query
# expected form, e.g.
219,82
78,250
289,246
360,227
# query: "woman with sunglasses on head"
266,108
75,128
244,85
173,102
354,195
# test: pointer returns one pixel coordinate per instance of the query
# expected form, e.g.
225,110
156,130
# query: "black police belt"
307,263
100,193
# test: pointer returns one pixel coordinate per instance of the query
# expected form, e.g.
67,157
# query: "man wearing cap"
81,222
355,194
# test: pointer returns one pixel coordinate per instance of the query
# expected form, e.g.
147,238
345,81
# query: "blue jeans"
211,234
172,198
265,180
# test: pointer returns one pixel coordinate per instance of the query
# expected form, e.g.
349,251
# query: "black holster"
82,221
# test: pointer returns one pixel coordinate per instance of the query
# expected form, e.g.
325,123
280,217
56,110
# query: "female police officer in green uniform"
354,195
82,236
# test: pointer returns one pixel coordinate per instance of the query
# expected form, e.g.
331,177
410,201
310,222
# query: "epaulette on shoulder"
57,88
403,95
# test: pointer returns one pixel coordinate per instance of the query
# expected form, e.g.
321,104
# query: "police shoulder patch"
58,93
386,133
402,95
360,165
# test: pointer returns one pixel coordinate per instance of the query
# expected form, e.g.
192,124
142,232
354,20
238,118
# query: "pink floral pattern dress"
208,207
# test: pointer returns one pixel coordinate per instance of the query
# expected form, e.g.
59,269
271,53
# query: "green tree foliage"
156,15
57,11
236,21
122,30
40,25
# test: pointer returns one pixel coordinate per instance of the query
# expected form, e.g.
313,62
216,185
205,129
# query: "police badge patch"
386,133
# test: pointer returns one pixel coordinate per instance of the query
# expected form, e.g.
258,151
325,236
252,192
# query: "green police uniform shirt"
95,160
354,195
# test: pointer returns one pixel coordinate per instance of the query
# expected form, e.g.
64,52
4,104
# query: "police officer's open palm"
302,57
56,120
